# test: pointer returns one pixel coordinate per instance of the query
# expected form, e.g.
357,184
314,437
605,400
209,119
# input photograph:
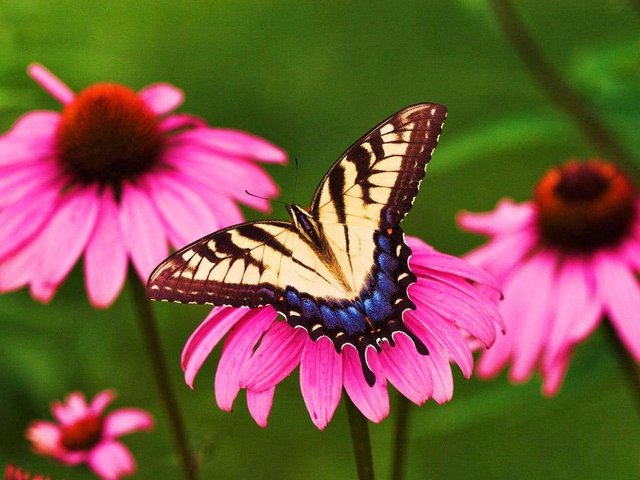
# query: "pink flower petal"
106,260
506,217
225,210
27,179
530,312
71,457
235,143
448,336
63,239
142,230
496,357
204,339
101,401
52,84
630,250
126,420
466,312
76,404
17,269
259,404
577,307
226,175
45,437
373,402
619,291
485,300
406,369
162,98
24,219
186,215
321,380
74,408
237,351
180,121
502,255
111,460
553,376
423,258
277,356
33,127
436,362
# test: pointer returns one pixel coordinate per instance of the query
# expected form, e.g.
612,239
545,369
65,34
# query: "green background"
312,77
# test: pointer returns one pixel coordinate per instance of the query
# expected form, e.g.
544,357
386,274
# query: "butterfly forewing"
375,182
247,265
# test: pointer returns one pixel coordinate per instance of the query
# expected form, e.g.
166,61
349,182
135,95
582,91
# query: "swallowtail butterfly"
338,269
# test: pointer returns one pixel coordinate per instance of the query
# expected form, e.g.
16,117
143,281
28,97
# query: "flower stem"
627,363
149,330
359,427
400,436
560,93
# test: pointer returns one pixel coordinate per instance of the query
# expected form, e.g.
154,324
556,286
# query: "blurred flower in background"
117,176
454,300
566,261
11,472
85,434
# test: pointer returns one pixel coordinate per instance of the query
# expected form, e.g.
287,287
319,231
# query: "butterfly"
339,269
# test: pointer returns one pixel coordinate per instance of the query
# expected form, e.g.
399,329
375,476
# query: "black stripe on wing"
186,276
411,134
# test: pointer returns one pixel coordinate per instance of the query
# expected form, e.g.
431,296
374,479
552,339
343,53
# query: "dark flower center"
83,434
107,135
585,205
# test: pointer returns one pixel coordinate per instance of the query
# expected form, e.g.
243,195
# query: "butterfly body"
339,269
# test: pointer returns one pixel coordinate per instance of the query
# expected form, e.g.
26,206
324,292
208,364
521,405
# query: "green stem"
149,330
560,93
400,436
359,427
627,363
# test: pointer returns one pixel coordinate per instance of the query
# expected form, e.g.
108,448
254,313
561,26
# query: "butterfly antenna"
265,198
295,183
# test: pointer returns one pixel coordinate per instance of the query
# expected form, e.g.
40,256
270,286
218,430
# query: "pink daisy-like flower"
566,260
11,472
454,301
85,434
117,176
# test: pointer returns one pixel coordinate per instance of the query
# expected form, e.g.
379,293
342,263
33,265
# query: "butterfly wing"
246,265
375,182
370,188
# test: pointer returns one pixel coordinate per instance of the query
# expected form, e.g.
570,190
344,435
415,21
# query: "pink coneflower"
85,434
11,472
566,260
454,300
117,176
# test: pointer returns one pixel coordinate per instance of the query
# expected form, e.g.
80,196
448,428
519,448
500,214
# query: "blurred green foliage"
312,77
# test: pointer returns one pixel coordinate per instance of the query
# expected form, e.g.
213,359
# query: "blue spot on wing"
309,309
384,243
387,262
377,307
351,320
329,317
292,298
385,285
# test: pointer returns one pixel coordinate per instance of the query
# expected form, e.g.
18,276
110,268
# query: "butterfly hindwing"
375,182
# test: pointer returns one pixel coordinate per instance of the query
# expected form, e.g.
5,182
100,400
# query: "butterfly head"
303,221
